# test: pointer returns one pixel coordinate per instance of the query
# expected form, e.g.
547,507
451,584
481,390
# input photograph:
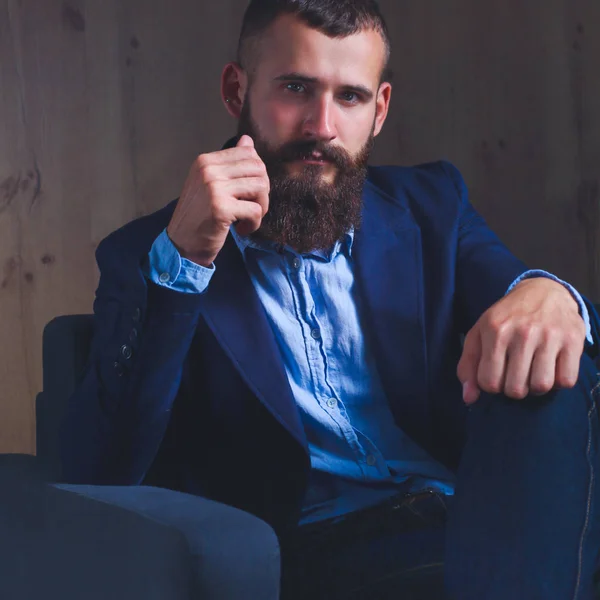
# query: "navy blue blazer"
189,391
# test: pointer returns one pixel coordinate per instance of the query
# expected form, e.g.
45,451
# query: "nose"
319,122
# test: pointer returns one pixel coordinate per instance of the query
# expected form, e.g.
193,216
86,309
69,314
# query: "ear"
382,106
234,85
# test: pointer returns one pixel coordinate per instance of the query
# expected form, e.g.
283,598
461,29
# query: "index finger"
229,155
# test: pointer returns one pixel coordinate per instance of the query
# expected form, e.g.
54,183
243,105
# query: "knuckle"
498,327
490,385
257,211
575,338
526,331
212,188
202,161
206,174
541,388
567,380
552,333
258,164
517,392
219,213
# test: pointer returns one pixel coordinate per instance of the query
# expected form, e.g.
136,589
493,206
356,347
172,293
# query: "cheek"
354,129
281,120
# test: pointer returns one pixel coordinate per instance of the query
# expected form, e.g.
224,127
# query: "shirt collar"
243,243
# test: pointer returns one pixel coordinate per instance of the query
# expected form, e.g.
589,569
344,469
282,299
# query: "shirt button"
297,263
164,278
371,460
316,334
332,402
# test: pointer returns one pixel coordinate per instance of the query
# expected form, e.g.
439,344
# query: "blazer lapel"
235,315
389,273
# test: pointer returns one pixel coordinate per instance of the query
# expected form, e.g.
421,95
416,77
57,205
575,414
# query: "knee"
239,552
565,418
250,535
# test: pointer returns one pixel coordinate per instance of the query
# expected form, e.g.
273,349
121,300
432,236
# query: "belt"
401,513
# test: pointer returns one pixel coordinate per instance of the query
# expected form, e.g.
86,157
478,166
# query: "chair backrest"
66,346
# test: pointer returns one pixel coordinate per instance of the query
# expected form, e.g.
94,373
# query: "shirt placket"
316,344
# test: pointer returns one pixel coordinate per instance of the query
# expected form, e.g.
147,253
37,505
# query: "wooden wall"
105,103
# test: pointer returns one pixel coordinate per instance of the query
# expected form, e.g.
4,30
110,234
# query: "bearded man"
346,352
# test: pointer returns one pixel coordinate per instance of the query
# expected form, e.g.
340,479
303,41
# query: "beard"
305,211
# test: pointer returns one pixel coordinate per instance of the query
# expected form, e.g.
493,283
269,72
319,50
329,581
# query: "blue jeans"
524,523
383,552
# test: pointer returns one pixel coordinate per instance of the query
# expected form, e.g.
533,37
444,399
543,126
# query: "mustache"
307,149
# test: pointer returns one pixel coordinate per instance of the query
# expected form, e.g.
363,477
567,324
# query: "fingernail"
470,393
465,388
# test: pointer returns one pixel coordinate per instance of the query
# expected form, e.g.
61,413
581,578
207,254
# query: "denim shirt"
359,456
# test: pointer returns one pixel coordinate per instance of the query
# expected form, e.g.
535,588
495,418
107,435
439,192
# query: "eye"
297,88
350,97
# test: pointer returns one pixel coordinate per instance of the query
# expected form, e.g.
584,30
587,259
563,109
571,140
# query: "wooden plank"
15,189
104,105
499,88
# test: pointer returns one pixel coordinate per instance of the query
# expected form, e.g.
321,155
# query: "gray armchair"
129,543
66,346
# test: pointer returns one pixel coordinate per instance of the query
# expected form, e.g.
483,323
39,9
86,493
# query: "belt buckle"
410,497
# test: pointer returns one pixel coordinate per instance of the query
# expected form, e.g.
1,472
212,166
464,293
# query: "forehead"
290,46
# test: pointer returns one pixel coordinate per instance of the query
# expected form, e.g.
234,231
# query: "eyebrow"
359,89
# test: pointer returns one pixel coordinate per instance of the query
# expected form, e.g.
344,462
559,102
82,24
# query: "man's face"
313,105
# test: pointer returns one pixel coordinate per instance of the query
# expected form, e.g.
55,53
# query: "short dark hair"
335,18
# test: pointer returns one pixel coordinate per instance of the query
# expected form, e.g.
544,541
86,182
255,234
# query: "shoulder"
439,177
433,191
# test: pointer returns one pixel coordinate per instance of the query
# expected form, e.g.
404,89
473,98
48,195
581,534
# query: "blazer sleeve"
119,413
485,268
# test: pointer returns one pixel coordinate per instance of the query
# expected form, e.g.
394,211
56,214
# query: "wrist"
553,287
201,259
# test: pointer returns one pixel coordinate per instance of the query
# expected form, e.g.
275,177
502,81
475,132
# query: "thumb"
469,365
245,140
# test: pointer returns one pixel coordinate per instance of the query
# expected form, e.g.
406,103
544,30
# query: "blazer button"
120,371
133,335
126,352
137,315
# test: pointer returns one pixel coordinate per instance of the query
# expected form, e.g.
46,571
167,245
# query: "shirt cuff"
583,311
167,268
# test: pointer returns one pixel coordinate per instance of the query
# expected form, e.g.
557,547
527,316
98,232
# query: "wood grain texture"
105,103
